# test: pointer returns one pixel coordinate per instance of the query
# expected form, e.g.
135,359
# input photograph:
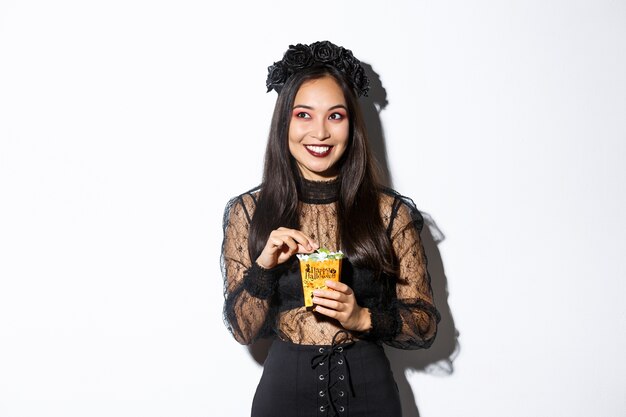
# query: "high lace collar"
318,192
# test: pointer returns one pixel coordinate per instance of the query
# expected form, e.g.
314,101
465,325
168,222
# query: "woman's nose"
321,131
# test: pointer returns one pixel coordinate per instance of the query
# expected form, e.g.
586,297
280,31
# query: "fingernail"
315,299
315,292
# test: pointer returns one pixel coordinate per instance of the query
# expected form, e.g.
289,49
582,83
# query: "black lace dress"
307,371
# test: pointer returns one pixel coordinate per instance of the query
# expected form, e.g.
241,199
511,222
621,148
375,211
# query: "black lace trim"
261,282
318,192
386,323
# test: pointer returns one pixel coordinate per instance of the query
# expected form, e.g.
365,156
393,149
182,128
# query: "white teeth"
318,149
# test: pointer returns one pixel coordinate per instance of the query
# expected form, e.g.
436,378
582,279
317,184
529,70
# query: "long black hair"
362,233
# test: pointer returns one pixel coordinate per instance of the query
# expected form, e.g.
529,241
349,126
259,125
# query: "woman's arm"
407,317
248,288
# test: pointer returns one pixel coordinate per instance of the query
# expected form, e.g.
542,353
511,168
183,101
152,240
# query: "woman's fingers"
335,299
338,286
326,311
340,304
294,240
330,295
276,243
307,244
330,303
283,243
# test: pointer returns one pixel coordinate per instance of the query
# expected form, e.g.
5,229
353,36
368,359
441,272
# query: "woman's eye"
336,116
303,115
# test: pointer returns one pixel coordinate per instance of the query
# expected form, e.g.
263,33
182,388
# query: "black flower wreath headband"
300,56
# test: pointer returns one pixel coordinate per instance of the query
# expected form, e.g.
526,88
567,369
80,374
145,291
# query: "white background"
125,126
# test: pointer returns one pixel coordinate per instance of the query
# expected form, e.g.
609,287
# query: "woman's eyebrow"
304,106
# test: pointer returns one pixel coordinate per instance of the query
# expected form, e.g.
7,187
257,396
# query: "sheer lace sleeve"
248,288
410,321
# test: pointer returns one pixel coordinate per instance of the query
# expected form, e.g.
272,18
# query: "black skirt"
350,379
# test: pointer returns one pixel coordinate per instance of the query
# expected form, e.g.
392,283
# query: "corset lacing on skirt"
334,373
348,378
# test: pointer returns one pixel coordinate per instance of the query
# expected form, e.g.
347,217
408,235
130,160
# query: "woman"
319,189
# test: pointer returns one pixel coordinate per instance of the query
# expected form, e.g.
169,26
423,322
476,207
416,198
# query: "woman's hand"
282,244
341,305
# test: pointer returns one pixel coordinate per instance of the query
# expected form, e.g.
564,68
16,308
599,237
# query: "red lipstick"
318,151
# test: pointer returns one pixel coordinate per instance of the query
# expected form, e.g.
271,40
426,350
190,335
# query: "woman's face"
319,128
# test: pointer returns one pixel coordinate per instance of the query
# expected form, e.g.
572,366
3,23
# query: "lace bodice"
261,302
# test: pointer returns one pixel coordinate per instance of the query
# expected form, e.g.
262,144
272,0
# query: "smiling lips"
318,151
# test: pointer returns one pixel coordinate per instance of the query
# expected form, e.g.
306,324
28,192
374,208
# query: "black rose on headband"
324,51
276,76
300,56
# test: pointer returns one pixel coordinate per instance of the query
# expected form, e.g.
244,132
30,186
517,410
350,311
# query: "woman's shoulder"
249,197
391,197
243,204
399,209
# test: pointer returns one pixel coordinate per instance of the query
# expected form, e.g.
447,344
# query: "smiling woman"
320,190
319,128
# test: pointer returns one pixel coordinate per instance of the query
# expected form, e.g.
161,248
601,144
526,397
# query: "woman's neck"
318,192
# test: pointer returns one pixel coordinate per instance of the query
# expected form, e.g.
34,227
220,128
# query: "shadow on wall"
372,105
439,358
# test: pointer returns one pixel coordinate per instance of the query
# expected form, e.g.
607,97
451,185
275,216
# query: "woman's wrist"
259,281
365,320
260,263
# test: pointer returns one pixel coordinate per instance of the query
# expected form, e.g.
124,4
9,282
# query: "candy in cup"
315,269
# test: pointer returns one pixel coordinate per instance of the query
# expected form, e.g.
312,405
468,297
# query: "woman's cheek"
298,131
